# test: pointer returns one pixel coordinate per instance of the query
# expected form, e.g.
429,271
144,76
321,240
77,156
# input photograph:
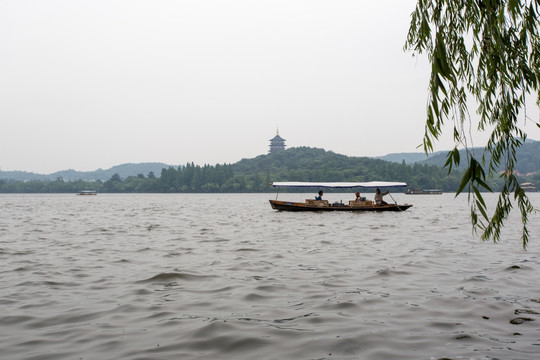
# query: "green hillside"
528,158
313,164
255,175
124,170
409,158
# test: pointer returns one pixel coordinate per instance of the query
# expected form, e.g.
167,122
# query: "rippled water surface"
226,277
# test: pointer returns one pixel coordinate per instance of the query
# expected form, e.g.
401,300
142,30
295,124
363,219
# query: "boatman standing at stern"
379,197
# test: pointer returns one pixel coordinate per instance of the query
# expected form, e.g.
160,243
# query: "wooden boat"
529,187
325,205
87,192
423,192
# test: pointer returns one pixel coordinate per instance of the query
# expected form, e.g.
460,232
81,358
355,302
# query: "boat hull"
423,192
87,192
297,206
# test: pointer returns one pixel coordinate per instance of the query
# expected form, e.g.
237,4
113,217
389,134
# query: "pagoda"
277,143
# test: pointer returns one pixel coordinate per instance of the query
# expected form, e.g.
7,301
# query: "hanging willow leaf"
486,51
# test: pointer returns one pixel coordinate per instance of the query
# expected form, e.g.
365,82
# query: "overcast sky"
93,84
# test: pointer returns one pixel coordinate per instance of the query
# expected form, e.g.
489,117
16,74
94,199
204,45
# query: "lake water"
195,276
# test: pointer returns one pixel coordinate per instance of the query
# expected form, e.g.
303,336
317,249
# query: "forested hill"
528,158
256,174
124,171
313,164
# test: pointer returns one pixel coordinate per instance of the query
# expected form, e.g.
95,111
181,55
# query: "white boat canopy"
370,184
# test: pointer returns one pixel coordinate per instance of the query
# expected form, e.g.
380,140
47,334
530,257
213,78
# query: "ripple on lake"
224,276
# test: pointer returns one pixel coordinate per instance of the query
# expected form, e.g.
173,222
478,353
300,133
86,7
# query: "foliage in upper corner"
488,51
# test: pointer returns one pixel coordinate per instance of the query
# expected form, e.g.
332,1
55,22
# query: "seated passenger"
320,195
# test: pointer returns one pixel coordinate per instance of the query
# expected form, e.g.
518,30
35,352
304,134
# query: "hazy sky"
92,84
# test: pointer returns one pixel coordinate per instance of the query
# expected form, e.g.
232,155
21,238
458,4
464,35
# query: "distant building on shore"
277,143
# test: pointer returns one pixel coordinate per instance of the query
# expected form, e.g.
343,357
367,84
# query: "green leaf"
497,67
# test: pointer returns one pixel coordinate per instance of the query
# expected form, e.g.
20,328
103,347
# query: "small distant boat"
423,192
324,205
87,192
529,187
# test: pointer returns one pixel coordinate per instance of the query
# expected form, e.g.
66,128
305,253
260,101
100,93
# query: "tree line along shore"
255,175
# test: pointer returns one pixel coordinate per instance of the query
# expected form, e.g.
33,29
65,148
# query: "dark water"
226,277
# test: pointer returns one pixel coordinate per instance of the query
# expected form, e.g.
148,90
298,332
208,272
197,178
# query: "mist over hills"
528,157
528,162
124,170
409,157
